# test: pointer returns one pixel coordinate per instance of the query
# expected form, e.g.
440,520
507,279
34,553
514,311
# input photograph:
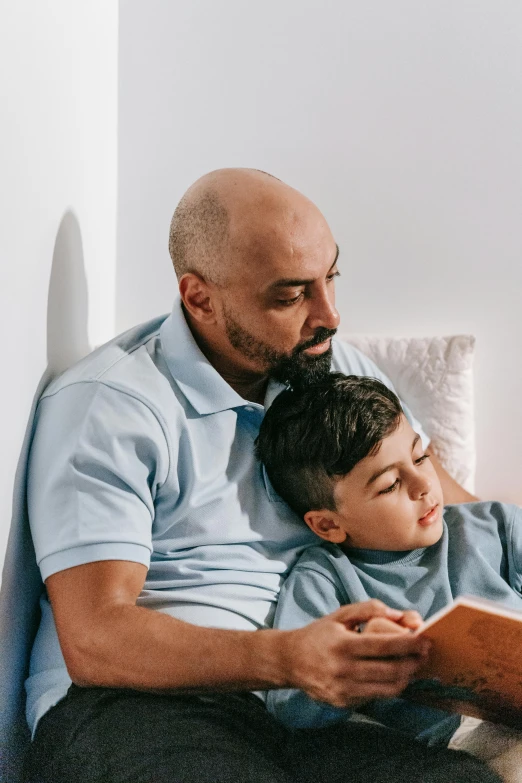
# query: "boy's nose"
421,487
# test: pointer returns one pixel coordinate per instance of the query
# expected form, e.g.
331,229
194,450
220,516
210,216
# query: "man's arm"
109,641
451,490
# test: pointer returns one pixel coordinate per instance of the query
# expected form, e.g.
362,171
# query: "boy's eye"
331,276
390,488
421,459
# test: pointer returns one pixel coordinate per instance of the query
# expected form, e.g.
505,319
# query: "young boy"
342,454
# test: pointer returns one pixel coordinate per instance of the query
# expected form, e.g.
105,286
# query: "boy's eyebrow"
289,282
378,473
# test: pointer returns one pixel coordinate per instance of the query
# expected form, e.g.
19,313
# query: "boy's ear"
324,524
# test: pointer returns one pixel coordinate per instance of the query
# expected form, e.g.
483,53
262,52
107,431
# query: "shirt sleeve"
350,361
513,516
97,460
305,596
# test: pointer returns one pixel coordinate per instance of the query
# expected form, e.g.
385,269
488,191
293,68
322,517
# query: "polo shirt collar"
205,389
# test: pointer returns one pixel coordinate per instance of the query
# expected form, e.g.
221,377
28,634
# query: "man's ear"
196,295
325,525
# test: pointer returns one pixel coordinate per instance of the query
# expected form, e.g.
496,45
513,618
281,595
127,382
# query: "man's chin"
302,369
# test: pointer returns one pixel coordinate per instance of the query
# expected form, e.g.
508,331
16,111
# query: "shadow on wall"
67,342
67,304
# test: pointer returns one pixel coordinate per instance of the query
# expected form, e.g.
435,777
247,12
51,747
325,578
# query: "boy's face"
390,501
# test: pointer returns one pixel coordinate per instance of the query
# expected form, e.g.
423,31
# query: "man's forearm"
147,650
107,640
139,648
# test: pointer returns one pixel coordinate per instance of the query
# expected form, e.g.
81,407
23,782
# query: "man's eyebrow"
293,282
378,473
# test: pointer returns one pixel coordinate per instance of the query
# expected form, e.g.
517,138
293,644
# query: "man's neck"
250,385
251,390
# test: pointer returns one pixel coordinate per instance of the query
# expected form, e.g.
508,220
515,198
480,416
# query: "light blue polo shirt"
143,452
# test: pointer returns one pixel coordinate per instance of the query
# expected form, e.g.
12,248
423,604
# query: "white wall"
401,120
58,178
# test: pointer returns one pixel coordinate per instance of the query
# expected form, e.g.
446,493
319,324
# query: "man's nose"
323,312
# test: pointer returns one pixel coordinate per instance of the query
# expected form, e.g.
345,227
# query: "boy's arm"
306,596
451,490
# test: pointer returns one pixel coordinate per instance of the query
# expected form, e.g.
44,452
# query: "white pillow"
434,377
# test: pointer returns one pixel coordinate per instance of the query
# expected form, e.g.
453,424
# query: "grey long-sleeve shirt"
479,553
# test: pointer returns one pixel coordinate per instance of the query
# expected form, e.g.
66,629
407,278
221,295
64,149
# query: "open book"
475,663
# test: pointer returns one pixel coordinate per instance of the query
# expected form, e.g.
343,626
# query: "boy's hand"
409,621
332,662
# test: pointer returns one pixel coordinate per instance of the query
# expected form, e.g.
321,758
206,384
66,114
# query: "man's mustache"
320,336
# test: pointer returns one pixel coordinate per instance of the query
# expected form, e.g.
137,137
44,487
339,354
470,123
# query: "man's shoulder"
125,362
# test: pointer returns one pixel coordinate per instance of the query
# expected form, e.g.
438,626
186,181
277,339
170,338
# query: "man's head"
256,263
343,456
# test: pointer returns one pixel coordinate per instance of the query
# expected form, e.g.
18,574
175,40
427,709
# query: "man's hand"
332,662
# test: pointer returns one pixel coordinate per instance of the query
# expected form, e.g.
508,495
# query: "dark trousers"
109,735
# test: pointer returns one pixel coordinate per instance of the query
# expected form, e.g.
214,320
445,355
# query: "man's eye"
391,488
288,302
421,459
331,276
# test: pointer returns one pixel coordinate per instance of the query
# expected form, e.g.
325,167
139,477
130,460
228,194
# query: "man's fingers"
352,615
361,692
385,671
383,645
380,691
342,667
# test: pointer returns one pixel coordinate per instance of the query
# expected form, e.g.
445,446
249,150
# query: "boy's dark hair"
312,436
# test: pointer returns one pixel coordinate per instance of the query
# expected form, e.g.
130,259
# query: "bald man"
162,544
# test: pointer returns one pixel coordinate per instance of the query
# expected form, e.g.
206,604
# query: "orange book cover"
475,663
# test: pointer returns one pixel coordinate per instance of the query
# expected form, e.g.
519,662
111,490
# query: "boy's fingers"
411,619
353,615
383,625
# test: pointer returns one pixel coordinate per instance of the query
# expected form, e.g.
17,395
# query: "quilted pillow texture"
434,377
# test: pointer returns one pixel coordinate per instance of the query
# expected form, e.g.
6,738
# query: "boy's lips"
430,516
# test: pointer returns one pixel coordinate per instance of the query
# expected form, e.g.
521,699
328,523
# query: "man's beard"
295,369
